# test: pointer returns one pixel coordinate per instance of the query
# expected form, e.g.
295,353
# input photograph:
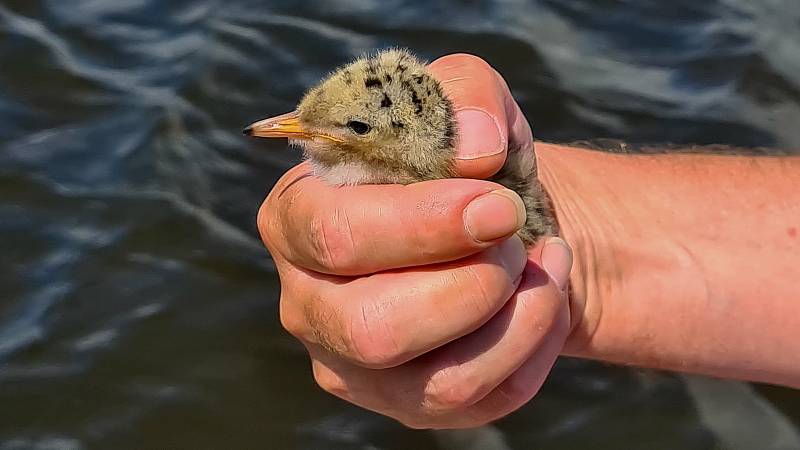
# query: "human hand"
418,301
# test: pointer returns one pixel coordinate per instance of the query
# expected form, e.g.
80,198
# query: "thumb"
479,99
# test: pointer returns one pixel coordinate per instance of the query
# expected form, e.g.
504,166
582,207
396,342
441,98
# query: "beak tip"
248,131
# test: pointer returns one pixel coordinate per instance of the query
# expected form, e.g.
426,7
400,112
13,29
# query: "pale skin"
420,303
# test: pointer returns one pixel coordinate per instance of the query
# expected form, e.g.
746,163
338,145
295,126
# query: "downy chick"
385,119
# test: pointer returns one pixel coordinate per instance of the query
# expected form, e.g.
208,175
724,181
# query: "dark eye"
359,128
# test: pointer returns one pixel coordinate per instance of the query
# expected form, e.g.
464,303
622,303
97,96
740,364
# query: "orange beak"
286,125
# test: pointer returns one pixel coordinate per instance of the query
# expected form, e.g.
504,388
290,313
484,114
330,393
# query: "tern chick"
384,119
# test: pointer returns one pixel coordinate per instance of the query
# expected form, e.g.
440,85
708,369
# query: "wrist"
579,224
635,289
622,255
691,269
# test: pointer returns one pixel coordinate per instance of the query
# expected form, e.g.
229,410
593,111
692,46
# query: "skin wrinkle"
449,279
568,213
376,313
450,80
416,239
366,328
482,301
592,277
291,184
267,222
285,214
453,280
389,302
319,238
485,303
392,338
340,218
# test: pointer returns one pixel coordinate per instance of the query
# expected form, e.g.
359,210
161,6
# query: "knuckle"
332,241
291,320
265,221
483,289
329,380
374,354
324,325
452,391
373,342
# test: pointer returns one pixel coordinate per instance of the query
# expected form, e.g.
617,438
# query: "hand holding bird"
411,298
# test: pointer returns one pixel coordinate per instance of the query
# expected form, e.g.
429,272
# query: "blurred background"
138,308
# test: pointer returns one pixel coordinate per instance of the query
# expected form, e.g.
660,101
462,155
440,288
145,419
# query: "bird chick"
385,119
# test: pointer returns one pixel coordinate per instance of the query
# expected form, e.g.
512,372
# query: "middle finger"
388,318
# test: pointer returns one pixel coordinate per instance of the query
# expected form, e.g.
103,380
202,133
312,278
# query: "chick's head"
380,119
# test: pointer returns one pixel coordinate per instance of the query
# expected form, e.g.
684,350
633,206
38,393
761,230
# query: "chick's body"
384,119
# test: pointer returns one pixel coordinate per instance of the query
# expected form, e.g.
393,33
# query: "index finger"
356,230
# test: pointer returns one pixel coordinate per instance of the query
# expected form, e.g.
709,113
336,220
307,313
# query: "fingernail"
494,215
513,255
557,261
479,134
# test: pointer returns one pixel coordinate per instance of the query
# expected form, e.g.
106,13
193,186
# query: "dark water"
138,309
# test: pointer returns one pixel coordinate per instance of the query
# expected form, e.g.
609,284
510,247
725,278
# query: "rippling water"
138,308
